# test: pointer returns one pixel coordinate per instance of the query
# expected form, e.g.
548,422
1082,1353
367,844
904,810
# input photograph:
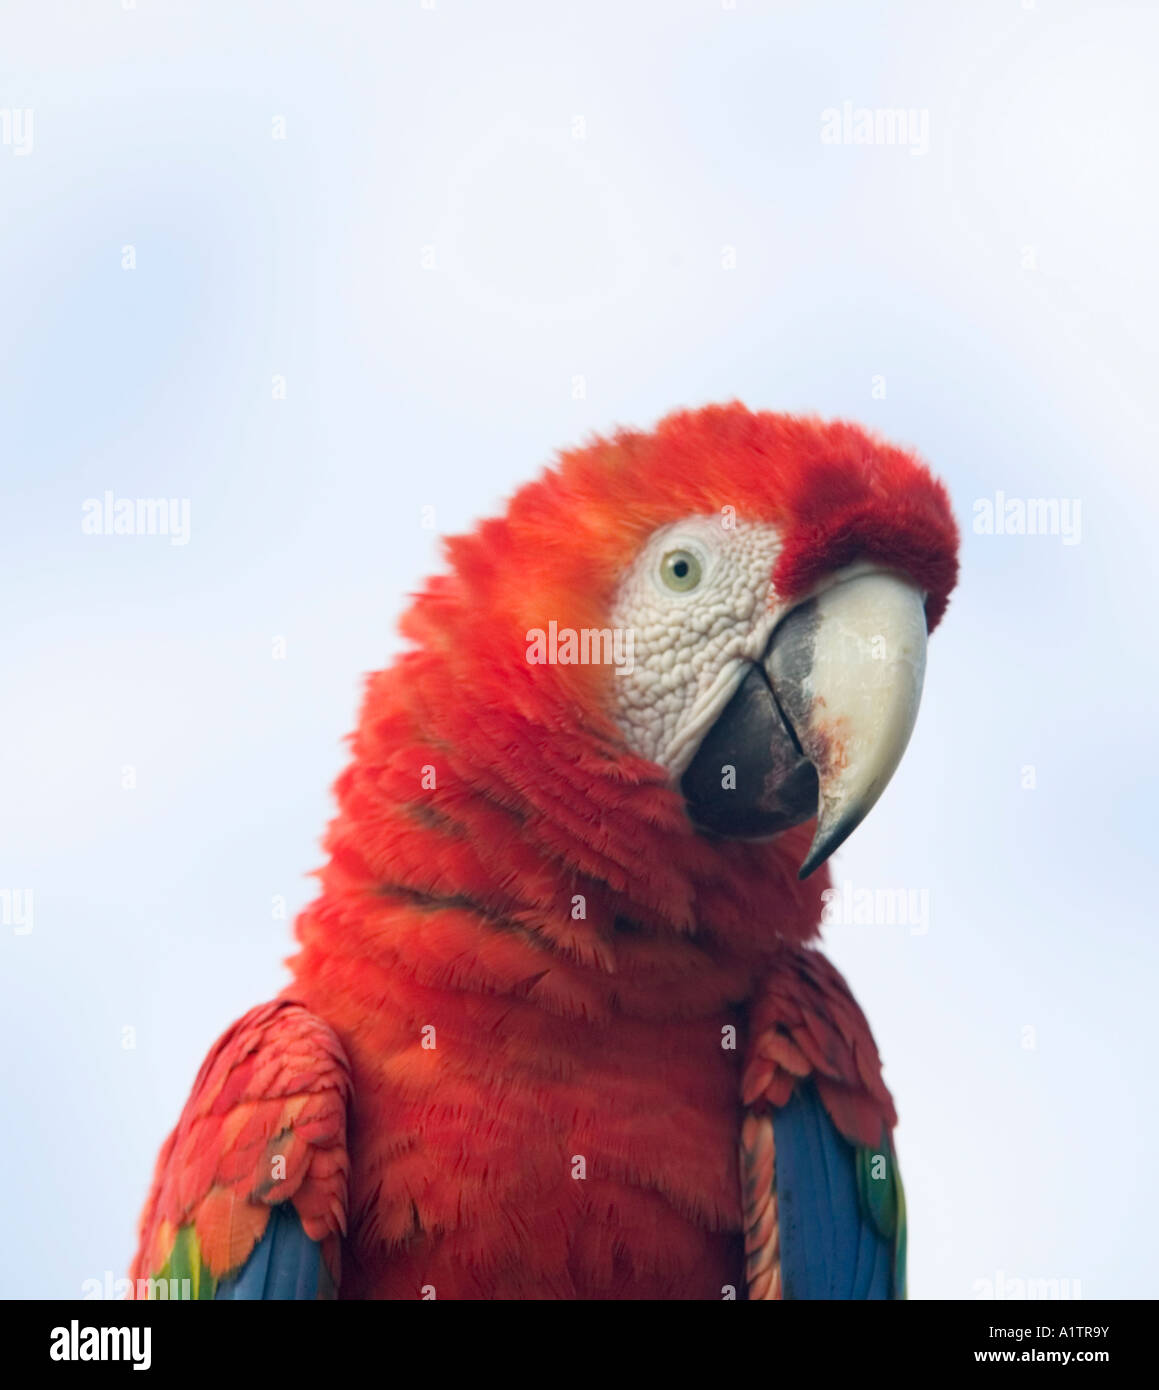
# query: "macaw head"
739,601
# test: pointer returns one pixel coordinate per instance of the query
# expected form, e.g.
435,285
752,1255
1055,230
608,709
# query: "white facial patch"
698,601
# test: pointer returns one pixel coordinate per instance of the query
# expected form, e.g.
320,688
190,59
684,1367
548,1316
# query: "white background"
1004,286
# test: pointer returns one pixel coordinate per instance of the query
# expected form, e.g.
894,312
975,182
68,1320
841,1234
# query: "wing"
823,1200
249,1194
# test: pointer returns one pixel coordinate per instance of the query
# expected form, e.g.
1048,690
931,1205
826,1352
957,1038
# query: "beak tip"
809,865
829,838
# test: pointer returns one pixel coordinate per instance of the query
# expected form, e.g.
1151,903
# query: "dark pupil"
680,568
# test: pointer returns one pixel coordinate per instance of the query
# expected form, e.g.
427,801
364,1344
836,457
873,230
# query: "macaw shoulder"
824,1208
249,1195
804,1022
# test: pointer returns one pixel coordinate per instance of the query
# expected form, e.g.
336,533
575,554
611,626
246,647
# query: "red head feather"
528,754
835,492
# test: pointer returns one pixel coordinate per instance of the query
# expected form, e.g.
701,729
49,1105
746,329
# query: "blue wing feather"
830,1247
285,1264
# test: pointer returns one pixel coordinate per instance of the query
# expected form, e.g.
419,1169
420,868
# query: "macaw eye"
680,570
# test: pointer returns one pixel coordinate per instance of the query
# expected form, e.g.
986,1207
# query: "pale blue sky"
1003,284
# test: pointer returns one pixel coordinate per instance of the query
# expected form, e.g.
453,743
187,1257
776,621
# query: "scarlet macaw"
557,1028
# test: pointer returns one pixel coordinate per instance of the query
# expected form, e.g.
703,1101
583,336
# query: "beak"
819,727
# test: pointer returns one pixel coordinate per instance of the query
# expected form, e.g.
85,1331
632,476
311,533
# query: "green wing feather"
185,1262
882,1199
